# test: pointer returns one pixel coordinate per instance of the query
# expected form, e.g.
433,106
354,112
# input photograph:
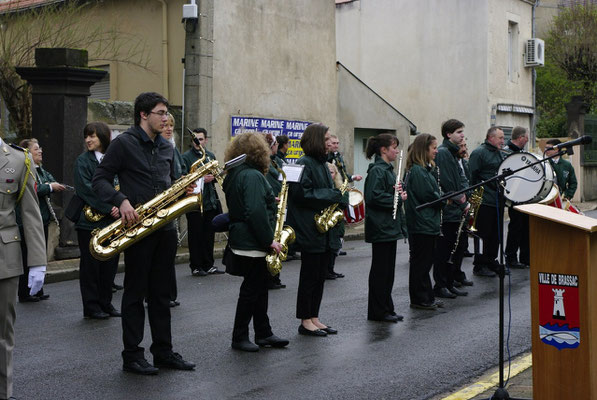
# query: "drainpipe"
165,73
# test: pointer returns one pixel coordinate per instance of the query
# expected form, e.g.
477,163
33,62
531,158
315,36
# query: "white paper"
199,188
293,172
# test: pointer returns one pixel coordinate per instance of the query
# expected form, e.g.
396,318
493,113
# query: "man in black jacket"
144,163
518,228
451,179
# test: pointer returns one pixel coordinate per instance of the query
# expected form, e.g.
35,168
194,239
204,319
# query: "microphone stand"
501,393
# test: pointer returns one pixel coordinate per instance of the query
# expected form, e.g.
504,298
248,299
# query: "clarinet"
396,193
441,210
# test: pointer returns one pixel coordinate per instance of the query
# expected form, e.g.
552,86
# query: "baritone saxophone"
331,215
283,234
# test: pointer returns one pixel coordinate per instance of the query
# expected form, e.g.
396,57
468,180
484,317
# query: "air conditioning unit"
534,53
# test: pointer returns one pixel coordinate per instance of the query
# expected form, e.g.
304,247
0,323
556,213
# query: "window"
513,56
101,90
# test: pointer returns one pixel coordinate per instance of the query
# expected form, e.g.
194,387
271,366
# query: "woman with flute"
309,197
423,225
381,229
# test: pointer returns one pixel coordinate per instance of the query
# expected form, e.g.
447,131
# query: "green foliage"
570,68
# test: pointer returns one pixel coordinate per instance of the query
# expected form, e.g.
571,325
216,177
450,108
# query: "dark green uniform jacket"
272,175
484,163
566,177
42,179
379,203
467,170
451,179
180,168
252,209
309,197
85,166
421,188
281,156
210,196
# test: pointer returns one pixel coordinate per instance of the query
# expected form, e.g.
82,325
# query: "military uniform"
12,176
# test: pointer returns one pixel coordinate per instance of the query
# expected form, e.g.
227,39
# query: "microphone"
586,139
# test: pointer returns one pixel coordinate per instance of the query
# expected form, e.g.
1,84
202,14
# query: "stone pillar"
60,84
575,127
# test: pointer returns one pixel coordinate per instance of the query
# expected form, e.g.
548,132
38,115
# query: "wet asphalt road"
59,355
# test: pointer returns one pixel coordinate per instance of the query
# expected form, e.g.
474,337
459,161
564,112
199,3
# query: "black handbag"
74,208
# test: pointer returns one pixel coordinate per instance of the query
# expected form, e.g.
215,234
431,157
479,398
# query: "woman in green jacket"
252,211
95,277
423,225
381,229
309,197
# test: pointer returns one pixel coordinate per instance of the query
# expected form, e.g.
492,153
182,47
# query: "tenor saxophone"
330,216
475,202
107,242
283,234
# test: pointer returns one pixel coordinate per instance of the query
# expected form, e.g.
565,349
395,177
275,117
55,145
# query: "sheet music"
293,172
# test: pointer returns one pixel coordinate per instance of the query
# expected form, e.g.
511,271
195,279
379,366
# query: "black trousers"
24,279
201,239
489,230
95,277
148,274
252,300
314,268
332,261
518,237
444,272
421,250
381,279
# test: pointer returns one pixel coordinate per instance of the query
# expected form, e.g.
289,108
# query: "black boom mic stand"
501,393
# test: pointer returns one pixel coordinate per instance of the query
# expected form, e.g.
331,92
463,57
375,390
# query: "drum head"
528,185
355,197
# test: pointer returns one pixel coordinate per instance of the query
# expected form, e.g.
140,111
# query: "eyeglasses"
161,113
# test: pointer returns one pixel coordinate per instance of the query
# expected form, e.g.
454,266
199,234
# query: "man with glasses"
201,232
144,163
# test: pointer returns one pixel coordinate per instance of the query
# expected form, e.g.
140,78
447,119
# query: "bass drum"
355,212
529,185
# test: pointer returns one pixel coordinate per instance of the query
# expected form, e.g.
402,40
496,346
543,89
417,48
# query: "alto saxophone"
475,202
157,212
330,216
283,234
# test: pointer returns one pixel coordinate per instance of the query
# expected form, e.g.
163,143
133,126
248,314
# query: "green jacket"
42,179
379,203
309,197
252,209
451,179
272,175
210,195
85,166
180,168
421,188
281,156
567,182
484,163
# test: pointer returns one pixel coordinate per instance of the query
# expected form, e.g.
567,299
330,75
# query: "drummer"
484,163
518,228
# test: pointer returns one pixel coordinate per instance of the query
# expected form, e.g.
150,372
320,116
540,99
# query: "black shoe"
456,284
274,286
468,254
330,331
330,277
245,345
517,265
97,315
173,361
317,332
272,341
215,271
388,318
458,292
117,287
29,299
42,296
339,275
114,290
424,306
112,312
199,272
483,271
140,367
172,304
342,253
467,282
444,293
438,303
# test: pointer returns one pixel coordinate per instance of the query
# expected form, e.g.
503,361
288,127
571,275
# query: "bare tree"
69,25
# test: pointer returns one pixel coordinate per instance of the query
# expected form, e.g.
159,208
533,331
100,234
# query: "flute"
396,192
